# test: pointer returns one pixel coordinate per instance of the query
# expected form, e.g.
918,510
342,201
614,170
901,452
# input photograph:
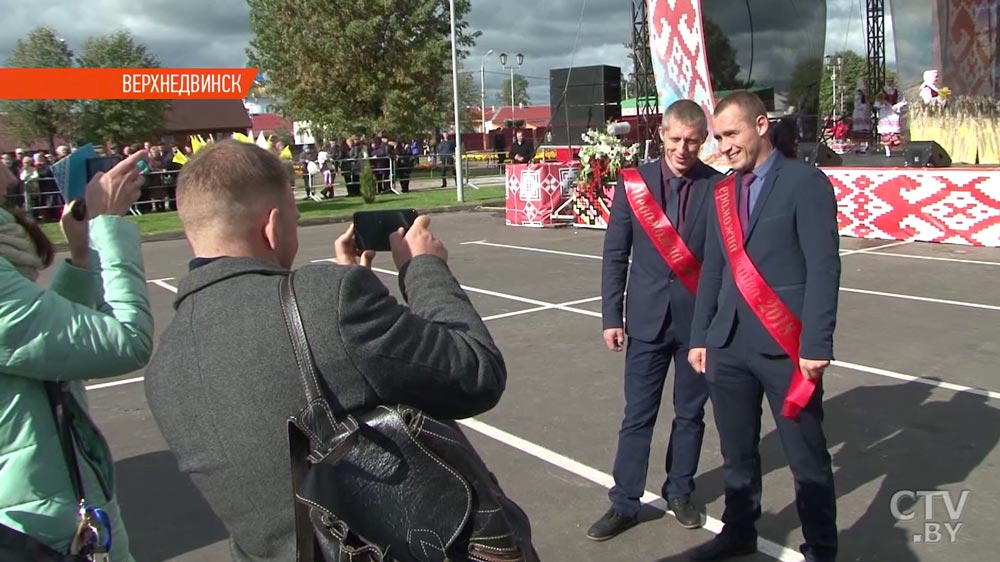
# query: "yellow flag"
196,143
242,138
180,158
286,153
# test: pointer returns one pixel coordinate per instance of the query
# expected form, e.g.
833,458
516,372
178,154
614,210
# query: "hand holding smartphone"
372,228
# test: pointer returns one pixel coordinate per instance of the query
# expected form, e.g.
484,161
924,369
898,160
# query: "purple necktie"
745,200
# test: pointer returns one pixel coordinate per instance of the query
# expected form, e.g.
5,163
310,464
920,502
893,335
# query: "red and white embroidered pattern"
680,63
949,206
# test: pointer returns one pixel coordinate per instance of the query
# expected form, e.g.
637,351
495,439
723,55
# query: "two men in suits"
763,325
658,217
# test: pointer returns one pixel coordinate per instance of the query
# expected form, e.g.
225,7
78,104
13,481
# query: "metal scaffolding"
876,56
647,101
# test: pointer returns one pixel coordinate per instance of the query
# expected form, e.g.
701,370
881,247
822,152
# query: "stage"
878,199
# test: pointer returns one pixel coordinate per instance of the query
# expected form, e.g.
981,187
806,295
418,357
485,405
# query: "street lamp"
503,63
482,92
835,65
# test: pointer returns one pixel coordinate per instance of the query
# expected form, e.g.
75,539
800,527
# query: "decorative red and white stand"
535,191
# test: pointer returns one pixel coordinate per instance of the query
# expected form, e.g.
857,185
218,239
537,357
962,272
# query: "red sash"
783,326
659,229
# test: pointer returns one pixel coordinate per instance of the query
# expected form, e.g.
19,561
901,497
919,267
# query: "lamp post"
503,62
834,65
458,126
482,92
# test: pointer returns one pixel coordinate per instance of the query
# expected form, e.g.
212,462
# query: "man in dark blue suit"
777,342
661,281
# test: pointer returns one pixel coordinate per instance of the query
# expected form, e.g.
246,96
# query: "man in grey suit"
763,325
224,380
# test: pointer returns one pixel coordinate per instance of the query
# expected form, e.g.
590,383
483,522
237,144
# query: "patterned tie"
745,200
674,200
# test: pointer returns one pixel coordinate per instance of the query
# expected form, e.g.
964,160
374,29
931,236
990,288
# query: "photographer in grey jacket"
223,381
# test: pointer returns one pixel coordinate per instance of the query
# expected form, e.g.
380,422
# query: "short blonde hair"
226,184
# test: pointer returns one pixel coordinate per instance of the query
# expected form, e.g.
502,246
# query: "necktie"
674,201
745,199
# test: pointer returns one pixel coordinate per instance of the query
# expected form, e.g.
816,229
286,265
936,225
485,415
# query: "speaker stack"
819,154
925,154
583,98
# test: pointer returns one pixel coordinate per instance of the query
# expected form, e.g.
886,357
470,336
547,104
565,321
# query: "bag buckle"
346,439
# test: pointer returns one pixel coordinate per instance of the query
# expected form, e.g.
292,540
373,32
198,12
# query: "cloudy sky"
550,33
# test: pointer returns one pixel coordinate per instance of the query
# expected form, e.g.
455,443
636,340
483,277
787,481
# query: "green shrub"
368,190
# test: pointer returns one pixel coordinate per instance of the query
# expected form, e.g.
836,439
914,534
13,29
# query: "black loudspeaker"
583,98
925,154
819,154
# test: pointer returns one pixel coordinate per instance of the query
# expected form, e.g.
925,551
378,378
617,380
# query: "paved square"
911,403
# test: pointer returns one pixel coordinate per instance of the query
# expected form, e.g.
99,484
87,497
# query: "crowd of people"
732,278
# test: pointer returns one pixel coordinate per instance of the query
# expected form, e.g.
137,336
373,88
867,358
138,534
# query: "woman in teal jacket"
94,321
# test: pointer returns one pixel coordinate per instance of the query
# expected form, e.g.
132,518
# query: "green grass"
159,223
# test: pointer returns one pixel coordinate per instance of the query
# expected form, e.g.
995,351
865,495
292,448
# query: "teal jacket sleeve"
76,284
45,335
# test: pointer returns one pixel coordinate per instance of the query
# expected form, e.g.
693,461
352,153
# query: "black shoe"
610,525
686,513
723,547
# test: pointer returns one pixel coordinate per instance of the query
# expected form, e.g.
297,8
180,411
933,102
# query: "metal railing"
42,199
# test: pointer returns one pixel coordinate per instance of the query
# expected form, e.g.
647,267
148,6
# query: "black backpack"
392,484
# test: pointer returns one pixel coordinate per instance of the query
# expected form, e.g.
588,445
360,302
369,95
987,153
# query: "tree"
852,67
350,67
722,65
30,120
520,91
469,99
804,91
119,120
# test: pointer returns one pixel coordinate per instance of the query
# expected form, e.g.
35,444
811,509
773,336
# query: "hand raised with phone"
414,242
114,191
346,250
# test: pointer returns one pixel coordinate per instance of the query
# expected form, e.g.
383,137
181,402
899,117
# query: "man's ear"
271,229
763,125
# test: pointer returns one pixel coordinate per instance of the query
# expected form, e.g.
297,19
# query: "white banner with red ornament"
945,205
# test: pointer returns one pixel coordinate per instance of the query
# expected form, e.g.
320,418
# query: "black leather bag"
391,484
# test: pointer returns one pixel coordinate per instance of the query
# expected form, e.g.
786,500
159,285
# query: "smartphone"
103,164
372,228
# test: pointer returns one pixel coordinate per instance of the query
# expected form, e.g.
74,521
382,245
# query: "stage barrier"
943,205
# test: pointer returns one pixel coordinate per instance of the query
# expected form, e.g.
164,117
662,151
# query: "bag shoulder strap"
62,416
300,345
335,422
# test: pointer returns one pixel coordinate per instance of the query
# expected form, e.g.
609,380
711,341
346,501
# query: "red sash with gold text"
783,326
659,229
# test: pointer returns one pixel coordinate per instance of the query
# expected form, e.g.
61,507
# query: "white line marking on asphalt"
525,300
873,248
844,289
162,283
934,258
712,524
920,380
921,299
115,383
525,248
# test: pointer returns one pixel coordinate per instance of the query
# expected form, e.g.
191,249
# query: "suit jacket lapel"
653,176
696,200
765,191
